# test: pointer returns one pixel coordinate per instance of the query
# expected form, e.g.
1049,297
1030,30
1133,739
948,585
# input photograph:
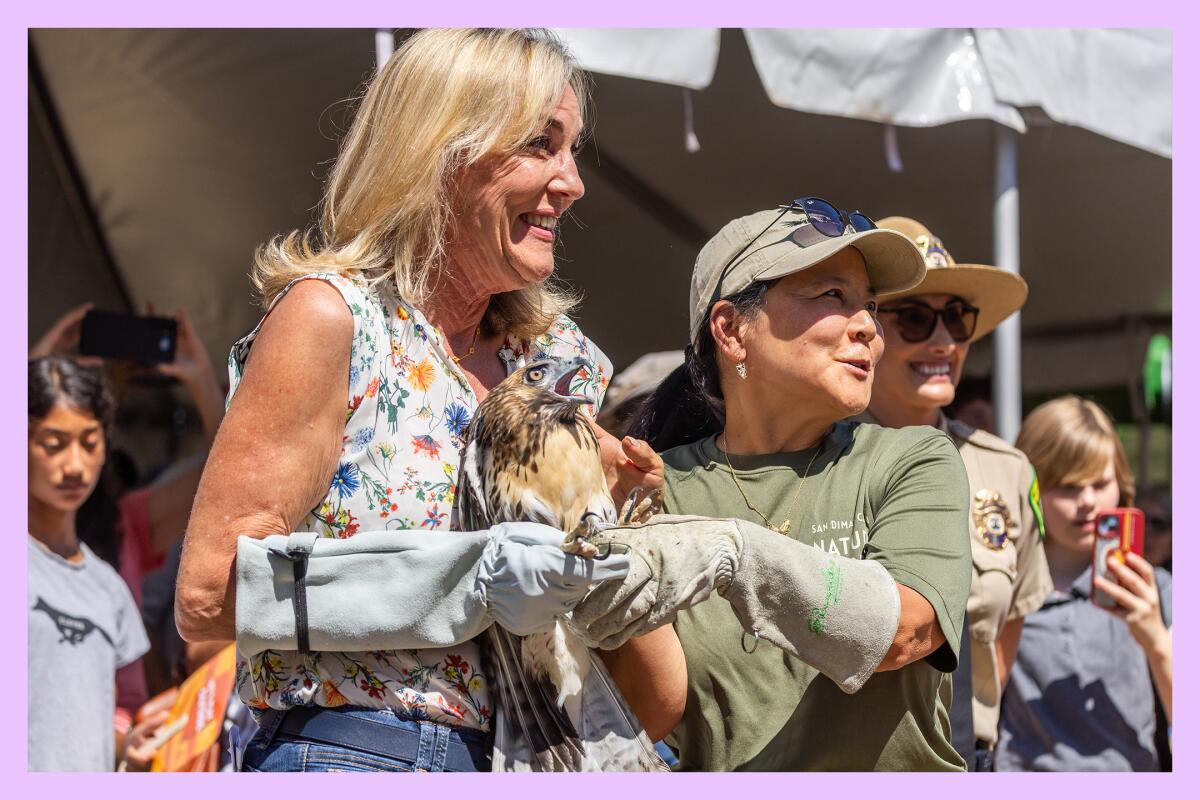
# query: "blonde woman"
426,283
1082,691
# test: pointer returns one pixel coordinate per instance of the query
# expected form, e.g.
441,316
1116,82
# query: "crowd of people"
845,577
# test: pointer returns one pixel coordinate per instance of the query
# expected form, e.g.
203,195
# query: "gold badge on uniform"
992,520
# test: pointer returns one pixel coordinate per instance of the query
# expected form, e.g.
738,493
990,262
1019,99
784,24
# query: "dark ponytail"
688,405
54,380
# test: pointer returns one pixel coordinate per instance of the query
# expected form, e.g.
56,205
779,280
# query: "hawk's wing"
531,732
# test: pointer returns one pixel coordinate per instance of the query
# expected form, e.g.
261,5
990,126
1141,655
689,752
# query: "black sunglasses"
820,216
917,321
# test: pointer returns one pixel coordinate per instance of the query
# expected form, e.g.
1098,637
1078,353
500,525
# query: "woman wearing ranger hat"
836,547
929,329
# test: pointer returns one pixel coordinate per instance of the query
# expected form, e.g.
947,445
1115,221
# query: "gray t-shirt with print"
83,625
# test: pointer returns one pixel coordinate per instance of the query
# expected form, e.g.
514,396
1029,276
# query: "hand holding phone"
114,334
1119,531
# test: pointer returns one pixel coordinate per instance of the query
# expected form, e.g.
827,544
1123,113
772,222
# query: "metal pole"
1006,377
385,43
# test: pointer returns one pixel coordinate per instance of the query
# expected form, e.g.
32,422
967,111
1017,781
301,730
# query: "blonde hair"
446,99
1069,440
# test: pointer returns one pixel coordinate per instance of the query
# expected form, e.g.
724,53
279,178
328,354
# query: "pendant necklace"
471,350
786,525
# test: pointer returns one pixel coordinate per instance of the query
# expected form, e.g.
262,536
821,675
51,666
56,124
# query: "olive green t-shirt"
898,496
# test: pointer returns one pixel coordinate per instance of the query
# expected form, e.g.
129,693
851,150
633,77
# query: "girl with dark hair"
83,623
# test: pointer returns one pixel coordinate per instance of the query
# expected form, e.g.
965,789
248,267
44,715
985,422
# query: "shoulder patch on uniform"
1035,502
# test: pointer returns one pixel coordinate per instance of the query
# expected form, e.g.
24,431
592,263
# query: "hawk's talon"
631,501
608,550
638,509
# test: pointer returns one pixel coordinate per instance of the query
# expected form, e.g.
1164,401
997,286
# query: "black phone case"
114,334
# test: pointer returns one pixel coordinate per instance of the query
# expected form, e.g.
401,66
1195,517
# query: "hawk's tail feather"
534,734
612,736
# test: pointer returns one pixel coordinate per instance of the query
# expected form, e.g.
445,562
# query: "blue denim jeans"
403,744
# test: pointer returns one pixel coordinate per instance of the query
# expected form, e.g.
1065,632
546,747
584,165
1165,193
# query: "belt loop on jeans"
268,725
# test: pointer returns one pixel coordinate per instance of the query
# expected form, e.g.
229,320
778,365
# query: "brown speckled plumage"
531,455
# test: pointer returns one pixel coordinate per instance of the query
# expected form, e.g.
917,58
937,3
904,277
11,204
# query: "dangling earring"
741,369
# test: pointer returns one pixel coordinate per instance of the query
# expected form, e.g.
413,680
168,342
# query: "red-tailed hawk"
531,455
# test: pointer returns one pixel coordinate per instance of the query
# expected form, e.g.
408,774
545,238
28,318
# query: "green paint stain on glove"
833,594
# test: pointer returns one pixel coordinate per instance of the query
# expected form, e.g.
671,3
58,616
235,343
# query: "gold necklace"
786,525
470,350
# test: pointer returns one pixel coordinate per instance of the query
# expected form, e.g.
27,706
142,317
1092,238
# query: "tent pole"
385,43
1006,245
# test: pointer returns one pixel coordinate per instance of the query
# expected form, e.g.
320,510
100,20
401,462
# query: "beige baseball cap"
790,245
996,293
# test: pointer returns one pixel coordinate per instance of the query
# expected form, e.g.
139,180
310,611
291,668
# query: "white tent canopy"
173,153
1116,83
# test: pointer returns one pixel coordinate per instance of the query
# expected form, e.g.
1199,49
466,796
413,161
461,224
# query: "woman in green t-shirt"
797,665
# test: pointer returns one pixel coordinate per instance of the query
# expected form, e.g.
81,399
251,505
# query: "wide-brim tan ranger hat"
893,261
996,293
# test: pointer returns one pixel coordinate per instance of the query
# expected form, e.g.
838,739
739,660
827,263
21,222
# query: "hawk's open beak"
562,387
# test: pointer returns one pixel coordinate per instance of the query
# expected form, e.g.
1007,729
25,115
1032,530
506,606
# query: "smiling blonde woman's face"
508,209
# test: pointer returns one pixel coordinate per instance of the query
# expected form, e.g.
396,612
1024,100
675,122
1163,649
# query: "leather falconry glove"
837,614
397,590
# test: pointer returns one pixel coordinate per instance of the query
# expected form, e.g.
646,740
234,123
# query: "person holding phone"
83,623
1086,683
929,330
132,527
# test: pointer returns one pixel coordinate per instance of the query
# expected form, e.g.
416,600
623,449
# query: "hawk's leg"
577,542
637,509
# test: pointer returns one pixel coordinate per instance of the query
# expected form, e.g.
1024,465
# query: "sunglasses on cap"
821,218
917,321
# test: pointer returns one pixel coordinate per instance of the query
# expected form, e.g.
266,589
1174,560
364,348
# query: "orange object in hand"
201,702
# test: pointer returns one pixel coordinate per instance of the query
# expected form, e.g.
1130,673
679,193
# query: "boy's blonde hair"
1069,440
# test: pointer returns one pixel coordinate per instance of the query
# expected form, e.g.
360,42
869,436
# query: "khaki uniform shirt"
1011,577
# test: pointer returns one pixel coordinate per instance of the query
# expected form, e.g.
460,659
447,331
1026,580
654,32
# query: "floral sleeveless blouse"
406,415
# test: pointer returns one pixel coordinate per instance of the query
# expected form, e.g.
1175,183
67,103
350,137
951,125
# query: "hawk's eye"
535,375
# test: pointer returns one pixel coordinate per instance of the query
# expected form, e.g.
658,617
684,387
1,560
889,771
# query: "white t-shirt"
83,626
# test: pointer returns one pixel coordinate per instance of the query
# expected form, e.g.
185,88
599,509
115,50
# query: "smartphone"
115,334
1119,530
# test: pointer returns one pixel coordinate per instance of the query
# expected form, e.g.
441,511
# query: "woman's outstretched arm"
274,454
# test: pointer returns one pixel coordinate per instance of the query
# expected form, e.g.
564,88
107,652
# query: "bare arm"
274,454
917,635
1159,658
1006,648
651,672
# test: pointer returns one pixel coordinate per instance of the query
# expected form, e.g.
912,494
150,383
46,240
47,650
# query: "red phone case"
1119,529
